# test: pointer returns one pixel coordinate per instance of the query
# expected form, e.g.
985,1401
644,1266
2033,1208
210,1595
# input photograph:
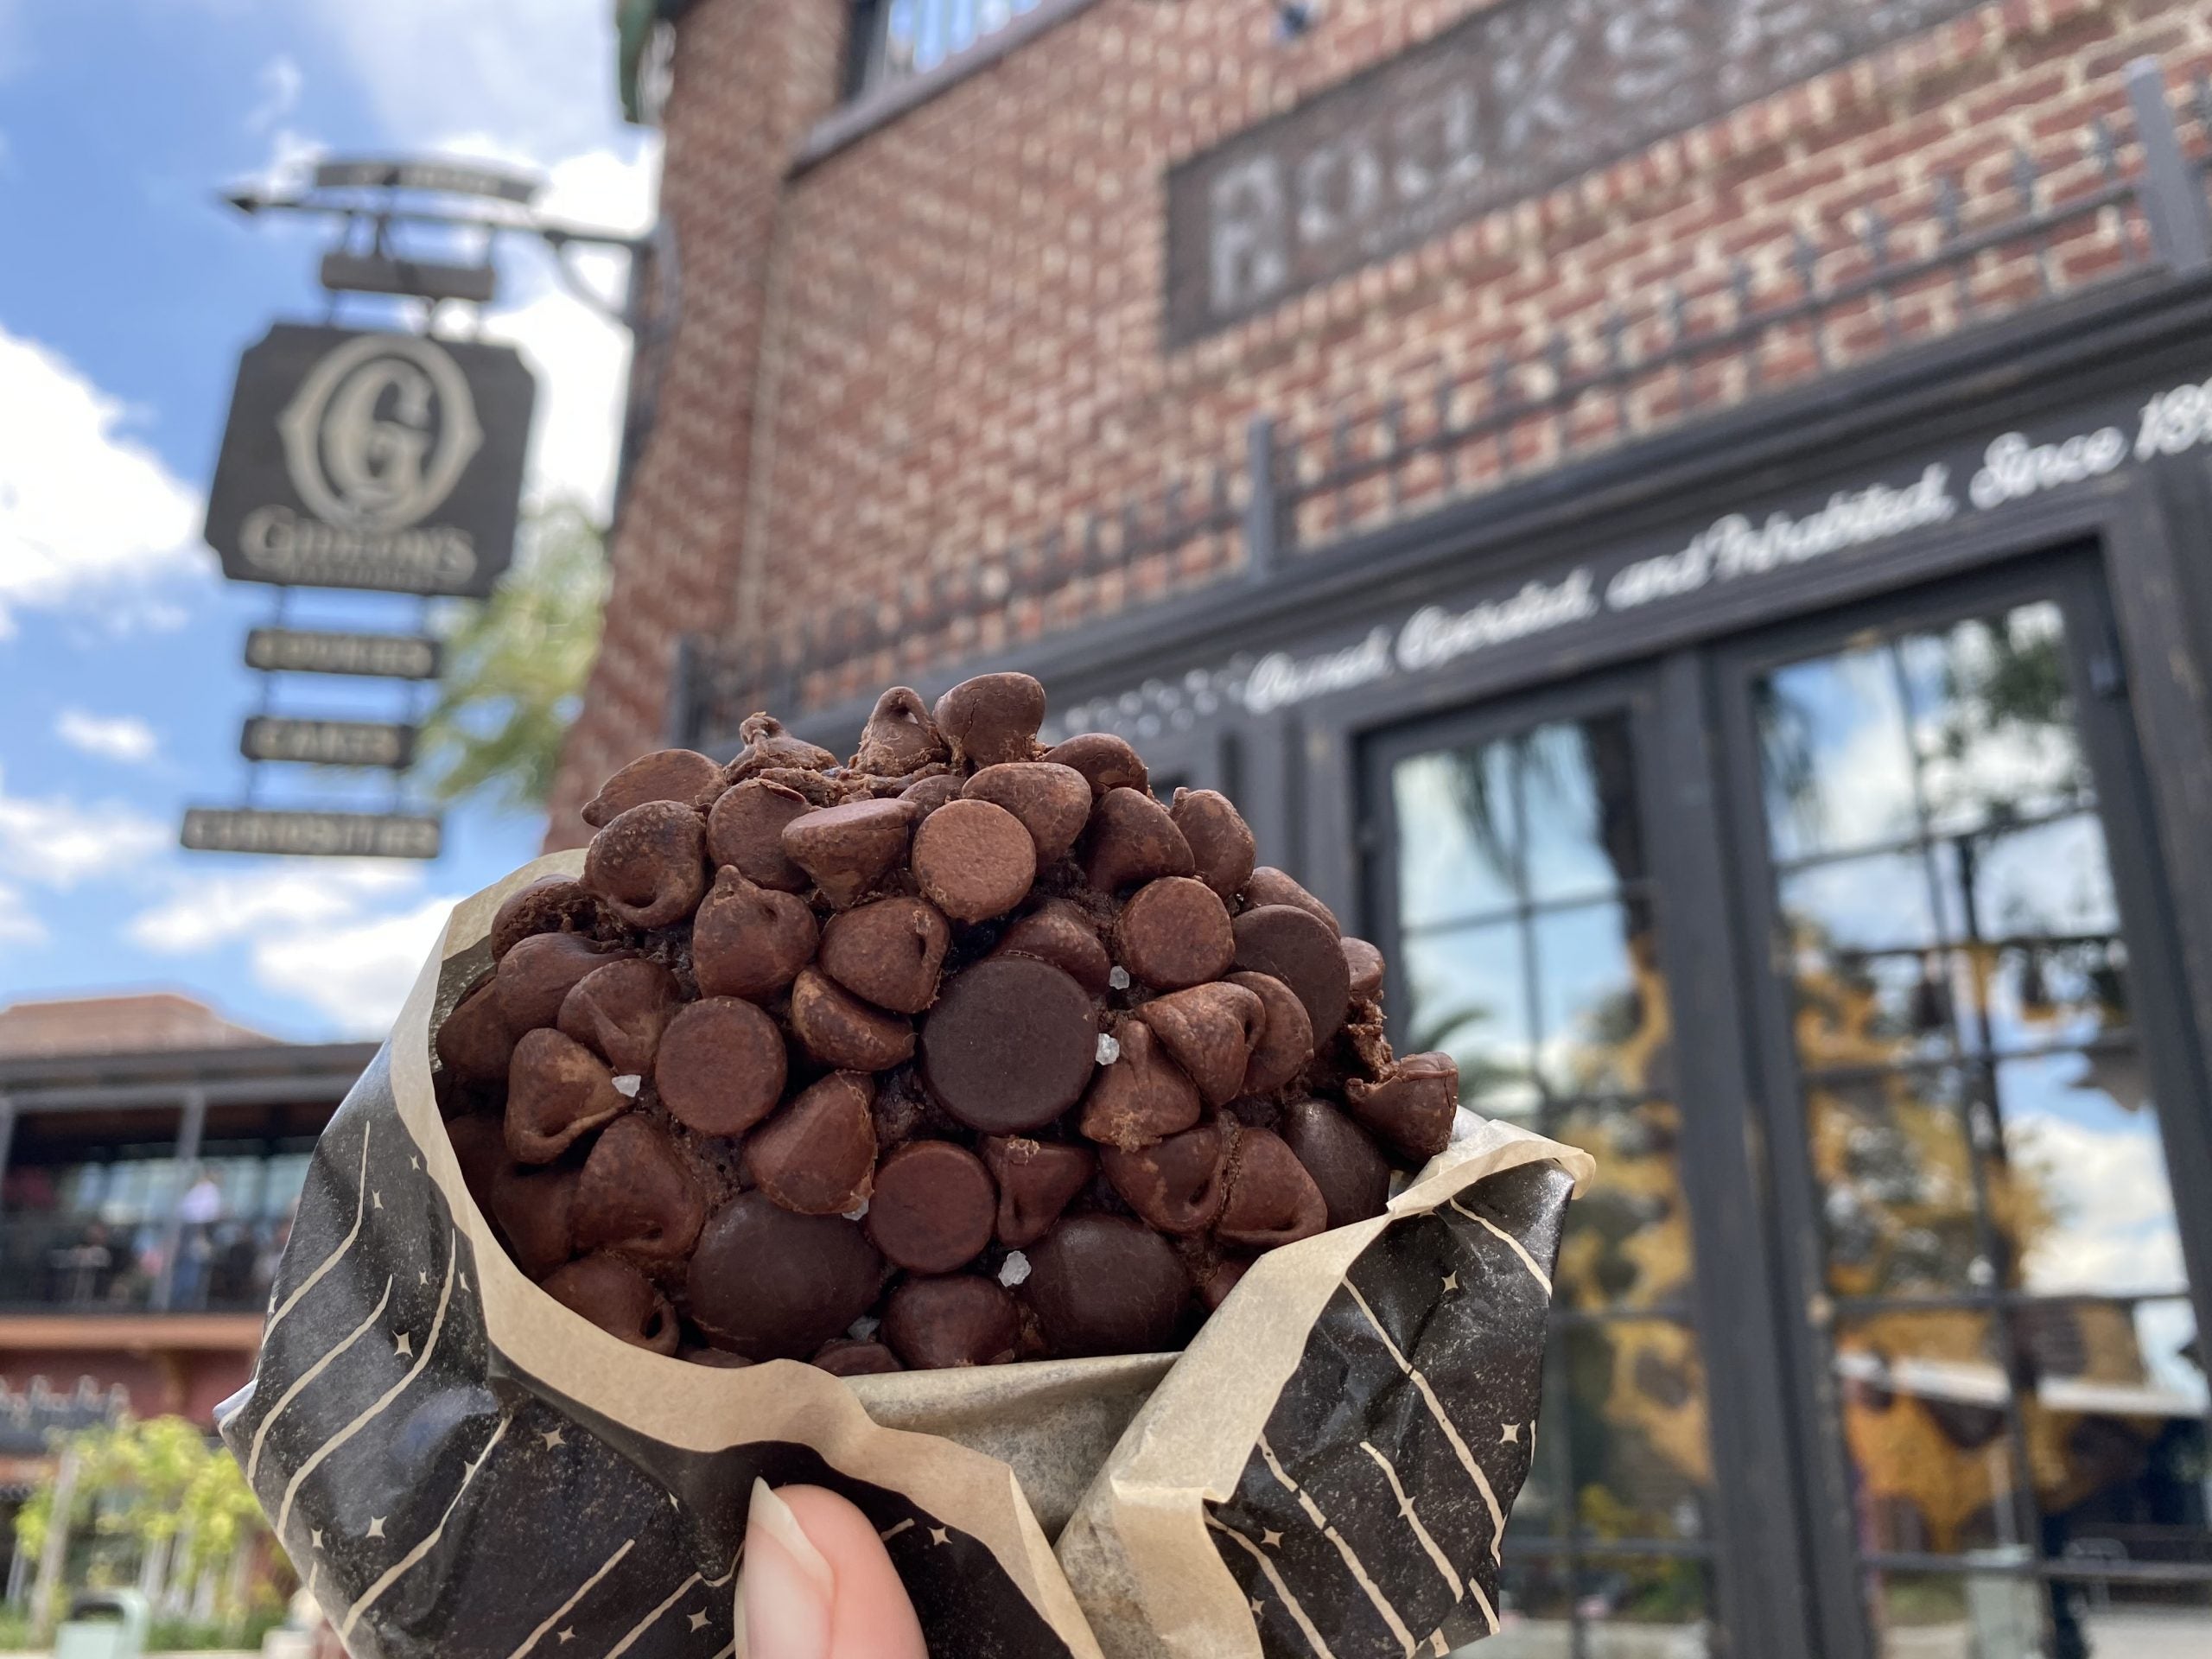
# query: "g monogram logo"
380,432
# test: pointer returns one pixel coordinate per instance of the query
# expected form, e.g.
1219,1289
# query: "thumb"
817,1583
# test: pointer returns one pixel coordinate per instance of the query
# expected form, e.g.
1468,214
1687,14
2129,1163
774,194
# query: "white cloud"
56,842
110,737
206,910
89,516
358,975
280,81
19,922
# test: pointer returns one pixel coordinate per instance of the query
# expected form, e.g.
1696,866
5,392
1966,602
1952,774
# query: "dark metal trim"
185,1067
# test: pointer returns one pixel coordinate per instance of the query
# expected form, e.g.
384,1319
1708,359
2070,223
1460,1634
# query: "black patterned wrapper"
460,1466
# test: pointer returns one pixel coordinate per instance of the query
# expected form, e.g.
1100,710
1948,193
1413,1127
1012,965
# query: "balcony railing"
80,1265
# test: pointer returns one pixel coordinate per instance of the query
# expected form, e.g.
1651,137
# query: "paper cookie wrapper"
460,1467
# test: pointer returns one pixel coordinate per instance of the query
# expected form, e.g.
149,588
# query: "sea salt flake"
855,1214
1119,978
1109,1050
1014,1270
864,1328
628,1084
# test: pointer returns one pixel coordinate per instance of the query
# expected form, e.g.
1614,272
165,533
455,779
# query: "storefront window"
899,38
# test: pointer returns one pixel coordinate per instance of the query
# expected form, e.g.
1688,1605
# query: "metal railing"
80,1265
2009,229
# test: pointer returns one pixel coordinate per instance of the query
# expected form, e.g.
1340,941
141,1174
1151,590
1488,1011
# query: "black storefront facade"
1803,809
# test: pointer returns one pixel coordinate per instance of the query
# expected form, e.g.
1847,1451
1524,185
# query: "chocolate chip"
1059,932
1178,1184
679,775
899,736
1106,761
649,865
1350,1171
848,1357
1106,1285
744,831
840,1030
1132,840
1141,1097
769,747
973,860
933,1207
1364,963
1286,1035
992,719
558,1091
636,1197
937,1324
748,940
535,1210
1301,950
1036,1180
1208,1030
480,1147
768,1283
1053,801
848,849
1271,1200
537,975
1269,886
1220,840
721,1066
619,1011
1217,1278
888,952
618,1300
1174,932
1010,1044
1413,1106
552,904
817,1154
902,1109
931,793
475,1042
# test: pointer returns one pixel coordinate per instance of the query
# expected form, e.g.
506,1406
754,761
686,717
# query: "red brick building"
1683,520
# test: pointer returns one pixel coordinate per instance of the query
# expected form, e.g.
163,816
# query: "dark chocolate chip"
1208,1030
1059,932
619,1011
1220,840
848,849
1413,1106
848,1357
1350,1170
902,1109
679,775
933,1207
1301,950
1364,963
973,860
1106,1285
1269,886
769,747
618,1300
992,719
899,736
745,833
840,1030
1219,1277
931,793
817,1154
534,1209
537,975
749,940
768,1283
480,1147
552,904
1107,761
1053,801
1132,840
1142,1095
636,1197
475,1042
888,952
1174,932
649,865
937,1324
721,1066
1286,1035
1271,1200
1036,1180
1180,1185
1010,1044
558,1091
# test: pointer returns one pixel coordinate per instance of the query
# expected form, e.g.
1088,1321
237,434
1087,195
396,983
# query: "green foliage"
515,667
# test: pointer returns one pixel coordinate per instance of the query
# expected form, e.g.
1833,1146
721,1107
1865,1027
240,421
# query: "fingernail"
784,1588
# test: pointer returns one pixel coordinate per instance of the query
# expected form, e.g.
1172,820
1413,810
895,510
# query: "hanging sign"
366,459
328,742
311,835
388,656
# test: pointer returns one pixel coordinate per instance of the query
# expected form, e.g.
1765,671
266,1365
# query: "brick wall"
956,344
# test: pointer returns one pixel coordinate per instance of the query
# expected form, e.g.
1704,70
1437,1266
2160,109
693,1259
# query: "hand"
817,1583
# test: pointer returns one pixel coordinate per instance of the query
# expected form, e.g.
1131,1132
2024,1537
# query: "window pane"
1470,1000
1642,1607
1993,719
1602,1022
1459,846
1579,807
1534,1613
1956,1616
1879,902
1854,1010
1627,1244
1636,1428
2048,995
2051,879
1838,770
1896,1185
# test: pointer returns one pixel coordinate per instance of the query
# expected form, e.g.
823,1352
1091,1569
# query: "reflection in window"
899,38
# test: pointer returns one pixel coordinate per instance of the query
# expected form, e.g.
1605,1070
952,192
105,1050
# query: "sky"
126,294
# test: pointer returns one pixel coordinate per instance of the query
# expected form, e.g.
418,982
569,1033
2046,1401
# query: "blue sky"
125,296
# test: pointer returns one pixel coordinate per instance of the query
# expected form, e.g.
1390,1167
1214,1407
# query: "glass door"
1973,1060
